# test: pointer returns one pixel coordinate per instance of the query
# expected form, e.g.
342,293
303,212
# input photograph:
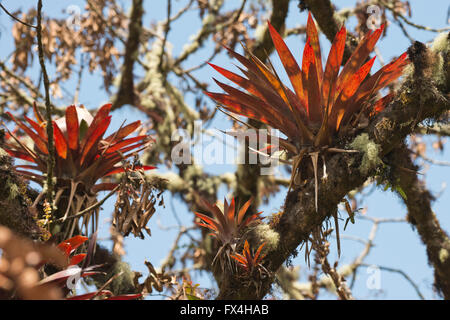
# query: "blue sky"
397,244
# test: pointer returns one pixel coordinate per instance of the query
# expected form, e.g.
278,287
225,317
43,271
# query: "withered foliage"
136,202
92,34
155,280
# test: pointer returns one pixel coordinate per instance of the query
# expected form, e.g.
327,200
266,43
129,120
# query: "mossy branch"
420,214
48,107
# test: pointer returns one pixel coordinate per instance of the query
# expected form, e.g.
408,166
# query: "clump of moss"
122,282
13,189
265,234
443,255
371,151
441,49
441,43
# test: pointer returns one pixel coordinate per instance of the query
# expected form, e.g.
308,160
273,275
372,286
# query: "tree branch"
48,108
420,214
418,99
126,93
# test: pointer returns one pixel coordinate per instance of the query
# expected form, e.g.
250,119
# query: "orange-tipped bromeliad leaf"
226,225
247,260
322,101
82,155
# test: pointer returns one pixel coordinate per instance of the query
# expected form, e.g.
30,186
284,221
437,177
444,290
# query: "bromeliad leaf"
247,260
226,225
82,155
323,103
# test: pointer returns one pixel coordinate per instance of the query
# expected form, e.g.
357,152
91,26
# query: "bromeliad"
83,156
324,103
248,261
226,225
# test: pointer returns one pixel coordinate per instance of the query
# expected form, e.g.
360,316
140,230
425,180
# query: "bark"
126,93
14,200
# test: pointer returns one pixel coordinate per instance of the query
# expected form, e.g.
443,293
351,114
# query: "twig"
17,19
208,27
94,206
106,284
405,32
169,257
80,73
401,272
11,74
433,161
166,34
51,148
322,248
408,22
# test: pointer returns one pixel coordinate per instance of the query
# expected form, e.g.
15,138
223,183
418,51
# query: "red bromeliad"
83,156
227,224
69,246
248,261
63,277
324,103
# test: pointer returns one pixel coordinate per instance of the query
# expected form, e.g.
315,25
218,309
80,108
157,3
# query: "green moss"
441,43
440,47
120,285
3,153
13,189
443,255
370,149
268,235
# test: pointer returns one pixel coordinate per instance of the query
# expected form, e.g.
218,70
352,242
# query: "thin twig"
17,19
433,161
175,246
94,206
106,284
80,73
405,32
401,272
418,26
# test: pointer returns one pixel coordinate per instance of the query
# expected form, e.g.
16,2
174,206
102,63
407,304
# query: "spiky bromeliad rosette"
323,105
82,157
